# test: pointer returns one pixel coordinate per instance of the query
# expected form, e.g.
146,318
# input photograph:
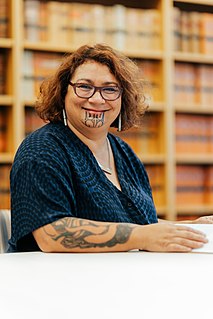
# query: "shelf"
204,2
29,102
193,57
156,107
153,54
194,159
195,209
49,47
161,210
6,100
6,43
6,158
195,108
152,158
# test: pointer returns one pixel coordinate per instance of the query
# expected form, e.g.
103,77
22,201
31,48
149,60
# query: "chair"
5,229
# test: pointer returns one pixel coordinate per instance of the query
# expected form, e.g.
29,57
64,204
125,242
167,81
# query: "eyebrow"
90,81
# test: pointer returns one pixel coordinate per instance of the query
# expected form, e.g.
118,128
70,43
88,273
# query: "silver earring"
64,117
119,122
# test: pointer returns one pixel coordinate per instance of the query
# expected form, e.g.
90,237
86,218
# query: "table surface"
106,285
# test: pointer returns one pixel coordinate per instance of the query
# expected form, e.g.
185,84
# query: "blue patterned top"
55,175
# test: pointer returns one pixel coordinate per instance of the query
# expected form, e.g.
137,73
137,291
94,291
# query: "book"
157,182
37,66
206,26
192,133
3,61
207,229
190,185
209,185
3,130
44,65
5,186
118,21
151,75
4,18
27,84
98,16
32,20
176,29
32,120
194,30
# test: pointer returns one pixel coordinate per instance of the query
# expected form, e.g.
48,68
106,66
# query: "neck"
100,147
95,139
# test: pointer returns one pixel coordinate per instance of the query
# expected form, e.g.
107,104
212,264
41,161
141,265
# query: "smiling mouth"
92,111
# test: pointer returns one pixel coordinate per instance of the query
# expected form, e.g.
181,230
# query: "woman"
74,186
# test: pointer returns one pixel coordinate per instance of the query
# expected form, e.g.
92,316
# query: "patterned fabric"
55,175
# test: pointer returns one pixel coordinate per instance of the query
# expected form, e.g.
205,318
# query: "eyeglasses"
86,91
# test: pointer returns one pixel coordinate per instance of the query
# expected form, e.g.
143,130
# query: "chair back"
5,229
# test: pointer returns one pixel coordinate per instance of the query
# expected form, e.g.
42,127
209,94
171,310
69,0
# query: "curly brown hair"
50,102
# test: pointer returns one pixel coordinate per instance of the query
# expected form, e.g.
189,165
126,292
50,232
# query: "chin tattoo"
94,119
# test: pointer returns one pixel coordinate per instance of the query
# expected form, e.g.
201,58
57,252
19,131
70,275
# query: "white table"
113,285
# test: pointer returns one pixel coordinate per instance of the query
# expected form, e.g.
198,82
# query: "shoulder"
44,147
48,140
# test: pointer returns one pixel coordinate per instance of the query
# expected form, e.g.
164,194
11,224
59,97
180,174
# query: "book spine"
3,129
4,8
5,186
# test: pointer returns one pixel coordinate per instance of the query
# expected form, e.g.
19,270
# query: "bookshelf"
160,61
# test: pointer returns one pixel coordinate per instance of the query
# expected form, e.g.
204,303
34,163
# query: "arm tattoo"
80,233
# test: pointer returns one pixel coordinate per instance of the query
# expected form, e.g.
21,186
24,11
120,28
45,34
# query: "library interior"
171,41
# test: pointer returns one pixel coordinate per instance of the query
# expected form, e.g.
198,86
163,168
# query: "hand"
203,220
165,237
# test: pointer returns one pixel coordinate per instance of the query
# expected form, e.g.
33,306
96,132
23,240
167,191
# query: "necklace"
108,169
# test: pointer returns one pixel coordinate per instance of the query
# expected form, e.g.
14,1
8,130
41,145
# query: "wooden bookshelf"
163,107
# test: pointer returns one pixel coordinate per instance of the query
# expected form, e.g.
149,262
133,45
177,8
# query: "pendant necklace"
107,170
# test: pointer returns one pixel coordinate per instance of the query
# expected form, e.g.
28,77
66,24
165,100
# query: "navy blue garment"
55,175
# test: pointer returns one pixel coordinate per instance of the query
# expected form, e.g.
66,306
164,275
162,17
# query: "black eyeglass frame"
96,89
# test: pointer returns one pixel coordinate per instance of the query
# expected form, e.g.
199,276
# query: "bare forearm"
81,235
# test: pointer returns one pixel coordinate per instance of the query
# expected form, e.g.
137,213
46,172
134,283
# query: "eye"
84,87
110,89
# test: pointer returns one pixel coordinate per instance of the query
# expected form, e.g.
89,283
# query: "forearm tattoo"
94,119
80,233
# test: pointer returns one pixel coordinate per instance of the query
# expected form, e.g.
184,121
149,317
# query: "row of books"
194,133
3,130
193,31
147,139
157,180
32,120
2,72
5,186
37,66
193,84
151,73
4,8
194,185
80,23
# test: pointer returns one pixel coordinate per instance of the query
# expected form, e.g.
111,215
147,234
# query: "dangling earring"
119,122
64,117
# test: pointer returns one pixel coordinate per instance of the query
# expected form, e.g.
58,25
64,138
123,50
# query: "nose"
97,96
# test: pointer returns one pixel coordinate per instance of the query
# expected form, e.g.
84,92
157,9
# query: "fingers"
205,220
188,238
191,233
